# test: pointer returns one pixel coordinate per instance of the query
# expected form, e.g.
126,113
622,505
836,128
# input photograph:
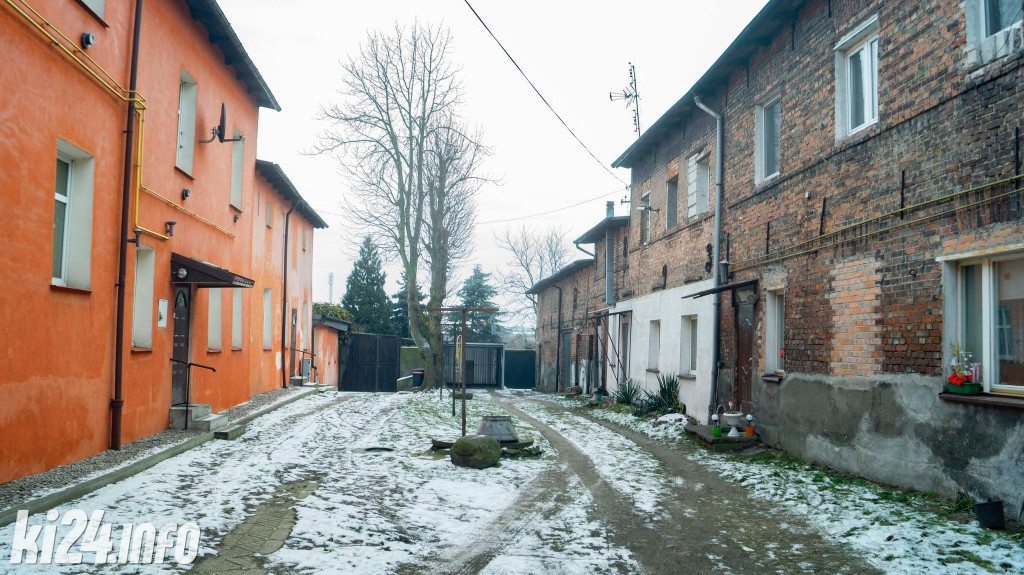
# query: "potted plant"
964,376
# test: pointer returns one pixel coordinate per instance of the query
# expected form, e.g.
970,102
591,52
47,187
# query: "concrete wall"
895,429
668,307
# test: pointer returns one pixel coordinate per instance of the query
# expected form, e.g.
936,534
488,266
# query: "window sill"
688,376
649,370
984,399
772,377
236,349
69,289
91,13
141,349
268,349
236,209
184,173
209,351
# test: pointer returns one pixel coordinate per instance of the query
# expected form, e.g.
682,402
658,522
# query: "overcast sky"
575,53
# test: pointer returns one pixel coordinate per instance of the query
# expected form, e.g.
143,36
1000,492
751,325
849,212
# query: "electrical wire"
543,99
563,208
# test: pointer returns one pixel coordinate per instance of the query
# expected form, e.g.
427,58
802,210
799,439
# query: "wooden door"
744,304
180,352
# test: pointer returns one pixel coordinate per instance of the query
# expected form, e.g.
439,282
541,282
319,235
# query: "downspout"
117,403
583,250
558,340
609,257
716,277
284,299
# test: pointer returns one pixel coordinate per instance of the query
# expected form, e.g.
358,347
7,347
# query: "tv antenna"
330,287
632,98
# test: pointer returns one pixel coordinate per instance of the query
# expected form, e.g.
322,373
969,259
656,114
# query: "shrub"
628,393
665,400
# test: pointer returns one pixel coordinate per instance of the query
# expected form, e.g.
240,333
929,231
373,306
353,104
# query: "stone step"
195,411
232,431
210,422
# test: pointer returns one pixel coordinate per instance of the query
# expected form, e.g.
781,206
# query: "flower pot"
990,514
716,432
750,431
965,388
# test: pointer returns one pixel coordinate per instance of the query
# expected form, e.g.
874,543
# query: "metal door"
624,351
566,360
745,301
520,368
180,352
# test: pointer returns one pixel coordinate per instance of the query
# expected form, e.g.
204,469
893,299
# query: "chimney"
609,209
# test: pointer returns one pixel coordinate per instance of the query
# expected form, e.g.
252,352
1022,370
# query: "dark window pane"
671,203
856,89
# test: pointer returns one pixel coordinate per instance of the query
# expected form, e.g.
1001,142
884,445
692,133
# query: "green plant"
628,393
664,400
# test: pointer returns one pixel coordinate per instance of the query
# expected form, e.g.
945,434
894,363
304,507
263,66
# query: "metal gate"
520,368
483,363
371,363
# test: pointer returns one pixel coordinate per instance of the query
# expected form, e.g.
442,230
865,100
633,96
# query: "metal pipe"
609,257
716,276
284,298
117,403
583,250
558,339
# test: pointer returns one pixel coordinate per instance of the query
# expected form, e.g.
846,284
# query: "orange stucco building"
205,242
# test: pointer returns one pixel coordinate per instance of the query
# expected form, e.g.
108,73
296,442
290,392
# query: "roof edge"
275,175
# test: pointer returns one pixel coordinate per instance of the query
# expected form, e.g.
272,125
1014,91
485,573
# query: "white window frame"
761,147
65,199
985,32
860,39
236,318
188,97
645,217
775,326
956,322
698,184
654,344
237,165
76,259
268,319
98,7
142,298
688,345
214,335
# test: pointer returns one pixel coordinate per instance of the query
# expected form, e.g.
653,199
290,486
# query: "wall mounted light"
181,273
88,40
236,217
169,226
185,193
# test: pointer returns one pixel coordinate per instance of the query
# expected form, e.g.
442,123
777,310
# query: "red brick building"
871,218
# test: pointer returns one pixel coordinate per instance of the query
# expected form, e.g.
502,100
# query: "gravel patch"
262,400
17,492
25,489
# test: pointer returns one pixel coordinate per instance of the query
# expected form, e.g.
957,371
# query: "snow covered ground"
897,532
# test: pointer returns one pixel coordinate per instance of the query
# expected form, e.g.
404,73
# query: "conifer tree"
477,292
365,297
400,310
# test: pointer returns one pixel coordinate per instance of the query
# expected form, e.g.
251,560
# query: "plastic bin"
417,377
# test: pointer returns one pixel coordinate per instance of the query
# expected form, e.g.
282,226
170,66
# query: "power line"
543,99
563,208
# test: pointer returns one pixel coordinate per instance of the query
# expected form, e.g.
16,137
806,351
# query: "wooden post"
463,372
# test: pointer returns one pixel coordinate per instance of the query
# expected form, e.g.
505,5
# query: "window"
304,233
989,321
270,214
775,332
766,161
97,6
671,203
236,318
268,320
698,183
237,157
188,91
142,306
213,333
688,345
654,345
72,217
1000,15
857,79
624,350
645,218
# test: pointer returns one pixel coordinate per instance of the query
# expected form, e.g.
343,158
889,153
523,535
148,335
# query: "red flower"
957,379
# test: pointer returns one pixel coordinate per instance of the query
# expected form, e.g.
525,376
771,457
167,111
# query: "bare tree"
453,164
535,255
398,92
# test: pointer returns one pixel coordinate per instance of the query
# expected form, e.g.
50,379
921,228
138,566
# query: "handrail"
188,384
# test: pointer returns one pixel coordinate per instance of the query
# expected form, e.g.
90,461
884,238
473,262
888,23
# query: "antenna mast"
330,287
632,98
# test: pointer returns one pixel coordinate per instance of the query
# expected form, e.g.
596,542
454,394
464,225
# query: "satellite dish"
222,126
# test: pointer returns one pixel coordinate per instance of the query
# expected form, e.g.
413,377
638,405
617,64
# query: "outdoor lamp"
169,227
